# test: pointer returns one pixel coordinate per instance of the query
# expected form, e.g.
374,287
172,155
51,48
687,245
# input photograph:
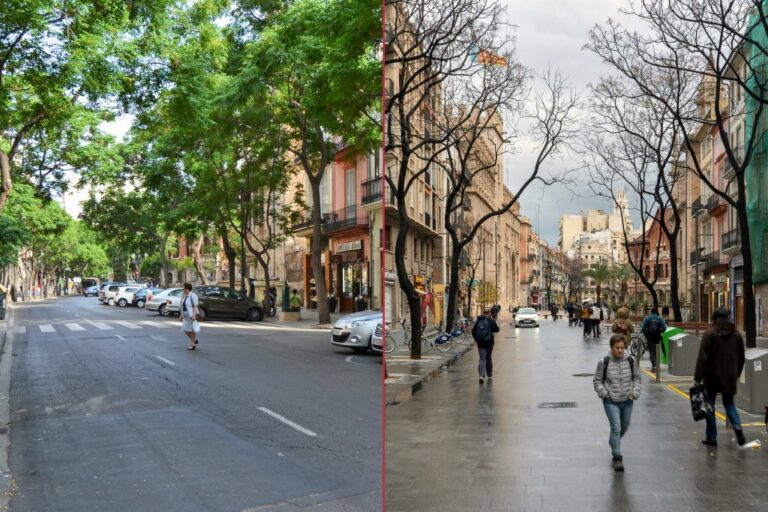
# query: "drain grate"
557,405
583,374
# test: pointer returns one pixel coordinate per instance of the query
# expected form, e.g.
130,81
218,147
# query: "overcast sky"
551,34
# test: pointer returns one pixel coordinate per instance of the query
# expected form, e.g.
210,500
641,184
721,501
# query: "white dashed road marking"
21,329
288,422
166,361
47,328
127,325
101,325
155,324
75,327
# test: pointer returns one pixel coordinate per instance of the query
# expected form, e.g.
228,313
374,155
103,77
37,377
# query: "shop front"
350,270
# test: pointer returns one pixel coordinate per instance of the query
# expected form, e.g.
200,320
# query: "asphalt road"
109,411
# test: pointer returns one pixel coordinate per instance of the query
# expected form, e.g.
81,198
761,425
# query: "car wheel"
203,313
255,315
122,303
139,303
163,310
111,302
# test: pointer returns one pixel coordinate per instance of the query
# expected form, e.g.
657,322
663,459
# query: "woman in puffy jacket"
623,325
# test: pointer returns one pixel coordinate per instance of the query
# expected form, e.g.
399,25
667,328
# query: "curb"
398,393
7,483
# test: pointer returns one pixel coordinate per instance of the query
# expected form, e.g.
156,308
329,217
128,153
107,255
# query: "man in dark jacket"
482,332
653,327
719,365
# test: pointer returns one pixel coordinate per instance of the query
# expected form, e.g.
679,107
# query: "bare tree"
636,127
574,279
703,43
451,75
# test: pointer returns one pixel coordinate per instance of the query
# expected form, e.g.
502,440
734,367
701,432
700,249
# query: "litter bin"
671,331
752,392
683,352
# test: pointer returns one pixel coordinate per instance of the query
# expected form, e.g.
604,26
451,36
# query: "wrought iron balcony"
344,218
696,256
306,222
371,192
696,205
731,240
712,260
714,202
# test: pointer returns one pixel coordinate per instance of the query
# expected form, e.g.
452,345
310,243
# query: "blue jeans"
619,415
485,365
730,411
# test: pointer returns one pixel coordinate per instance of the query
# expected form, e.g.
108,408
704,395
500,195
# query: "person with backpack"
617,383
595,315
623,325
718,366
482,332
585,318
554,310
653,327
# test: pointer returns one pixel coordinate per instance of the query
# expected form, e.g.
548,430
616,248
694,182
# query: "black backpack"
483,330
654,327
605,366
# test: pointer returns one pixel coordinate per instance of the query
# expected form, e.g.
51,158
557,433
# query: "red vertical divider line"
382,244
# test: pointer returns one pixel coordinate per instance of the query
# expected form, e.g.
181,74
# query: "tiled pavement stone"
457,445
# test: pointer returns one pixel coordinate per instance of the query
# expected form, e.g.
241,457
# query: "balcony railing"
712,260
372,192
713,202
695,256
730,240
696,205
343,218
307,220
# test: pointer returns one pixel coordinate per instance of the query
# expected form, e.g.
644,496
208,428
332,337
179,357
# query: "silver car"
166,302
354,330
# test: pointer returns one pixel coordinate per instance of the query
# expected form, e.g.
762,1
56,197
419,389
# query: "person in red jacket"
720,362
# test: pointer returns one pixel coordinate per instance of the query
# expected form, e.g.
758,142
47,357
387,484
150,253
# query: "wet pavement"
505,446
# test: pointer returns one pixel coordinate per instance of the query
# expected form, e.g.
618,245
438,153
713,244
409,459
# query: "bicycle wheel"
443,342
389,344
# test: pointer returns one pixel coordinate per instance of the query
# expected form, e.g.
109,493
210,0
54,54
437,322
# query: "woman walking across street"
623,325
617,383
188,316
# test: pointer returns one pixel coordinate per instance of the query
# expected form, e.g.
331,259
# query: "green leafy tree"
601,273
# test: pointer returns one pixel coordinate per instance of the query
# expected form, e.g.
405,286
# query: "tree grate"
557,405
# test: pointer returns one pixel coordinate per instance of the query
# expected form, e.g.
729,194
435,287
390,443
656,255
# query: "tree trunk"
750,318
674,287
453,290
164,261
5,179
197,259
318,271
231,254
414,303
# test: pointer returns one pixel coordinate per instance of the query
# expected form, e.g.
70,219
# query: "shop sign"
390,276
737,261
350,246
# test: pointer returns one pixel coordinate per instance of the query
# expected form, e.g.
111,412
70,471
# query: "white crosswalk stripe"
160,325
101,325
21,329
126,324
75,327
47,328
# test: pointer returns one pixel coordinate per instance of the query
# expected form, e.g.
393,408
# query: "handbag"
701,407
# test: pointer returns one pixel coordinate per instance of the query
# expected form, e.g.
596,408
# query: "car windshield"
527,311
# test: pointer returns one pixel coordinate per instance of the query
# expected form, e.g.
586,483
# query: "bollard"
658,363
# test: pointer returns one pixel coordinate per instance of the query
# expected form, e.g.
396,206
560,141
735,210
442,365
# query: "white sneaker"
489,377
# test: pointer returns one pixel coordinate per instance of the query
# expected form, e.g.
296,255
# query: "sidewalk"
309,320
536,438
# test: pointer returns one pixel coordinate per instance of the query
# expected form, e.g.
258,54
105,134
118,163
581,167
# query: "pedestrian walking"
617,383
482,332
554,310
189,315
595,315
585,314
719,365
571,310
653,327
623,325
665,312
495,311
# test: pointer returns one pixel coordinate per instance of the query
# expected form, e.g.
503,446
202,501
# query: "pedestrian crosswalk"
93,326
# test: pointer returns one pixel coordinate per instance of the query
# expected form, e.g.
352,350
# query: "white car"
526,317
125,294
110,294
355,330
166,302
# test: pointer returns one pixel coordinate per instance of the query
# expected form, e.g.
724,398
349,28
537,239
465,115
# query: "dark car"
140,297
221,301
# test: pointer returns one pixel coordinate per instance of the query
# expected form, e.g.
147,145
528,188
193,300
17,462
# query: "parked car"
110,294
165,302
221,301
355,330
141,297
526,316
105,286
377,339
91,291
125,295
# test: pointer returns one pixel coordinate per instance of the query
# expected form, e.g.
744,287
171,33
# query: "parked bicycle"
638,346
